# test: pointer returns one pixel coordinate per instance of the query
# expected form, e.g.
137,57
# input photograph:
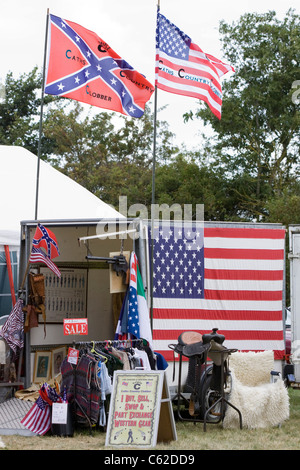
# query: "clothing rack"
114,342
103,348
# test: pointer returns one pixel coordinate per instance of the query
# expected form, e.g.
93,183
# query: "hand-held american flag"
184,69
83,67
38,418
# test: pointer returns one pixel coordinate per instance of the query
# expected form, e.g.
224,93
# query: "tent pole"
41,121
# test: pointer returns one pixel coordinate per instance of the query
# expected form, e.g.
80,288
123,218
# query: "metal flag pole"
41,120
153,198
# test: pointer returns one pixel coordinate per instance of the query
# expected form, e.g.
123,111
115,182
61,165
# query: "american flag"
184,69
238,289
83,67
38,256
44,238
38,418
133,325
13,329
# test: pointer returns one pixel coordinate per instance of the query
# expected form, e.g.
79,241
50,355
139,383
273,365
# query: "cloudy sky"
129,28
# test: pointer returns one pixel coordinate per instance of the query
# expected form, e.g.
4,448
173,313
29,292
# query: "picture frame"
58,355
42,366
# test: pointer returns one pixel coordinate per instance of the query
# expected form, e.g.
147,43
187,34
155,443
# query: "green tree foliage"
20,111
248,169
109,157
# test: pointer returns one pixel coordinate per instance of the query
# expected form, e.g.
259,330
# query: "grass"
190,437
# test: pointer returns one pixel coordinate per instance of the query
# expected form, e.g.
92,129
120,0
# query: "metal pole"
153,199
41,120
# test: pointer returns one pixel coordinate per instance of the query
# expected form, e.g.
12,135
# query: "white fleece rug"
262,403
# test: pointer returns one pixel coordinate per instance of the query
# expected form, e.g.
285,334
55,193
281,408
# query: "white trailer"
294,257
247,325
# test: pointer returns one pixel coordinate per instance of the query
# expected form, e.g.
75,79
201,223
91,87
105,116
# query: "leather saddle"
196,348
190,344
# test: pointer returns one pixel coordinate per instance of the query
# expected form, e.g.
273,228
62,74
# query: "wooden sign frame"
140,412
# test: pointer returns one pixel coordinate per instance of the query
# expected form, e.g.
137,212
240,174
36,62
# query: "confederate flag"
83,67
44,238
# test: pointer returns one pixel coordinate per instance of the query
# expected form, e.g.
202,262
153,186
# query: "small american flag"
38,418
13,328
37,256
184,69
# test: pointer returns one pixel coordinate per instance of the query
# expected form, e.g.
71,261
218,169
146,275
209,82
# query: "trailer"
294,258
240,288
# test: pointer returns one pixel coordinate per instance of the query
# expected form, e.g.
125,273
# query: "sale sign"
75,326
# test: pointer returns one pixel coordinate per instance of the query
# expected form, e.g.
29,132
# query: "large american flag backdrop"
224,277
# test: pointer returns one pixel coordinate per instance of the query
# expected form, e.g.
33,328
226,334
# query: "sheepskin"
263,404
252,368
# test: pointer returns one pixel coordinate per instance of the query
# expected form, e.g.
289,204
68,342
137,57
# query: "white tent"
59,196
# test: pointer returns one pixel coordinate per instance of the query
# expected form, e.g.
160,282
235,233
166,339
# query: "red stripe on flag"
242,295
236,274
241,315
226,232
227,253
229,334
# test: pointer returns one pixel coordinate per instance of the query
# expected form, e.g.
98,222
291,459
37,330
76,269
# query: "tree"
109,160
20,112
257,140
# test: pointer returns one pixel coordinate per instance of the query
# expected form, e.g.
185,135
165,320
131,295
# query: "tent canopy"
59,196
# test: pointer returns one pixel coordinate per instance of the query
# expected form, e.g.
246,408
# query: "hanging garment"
87,390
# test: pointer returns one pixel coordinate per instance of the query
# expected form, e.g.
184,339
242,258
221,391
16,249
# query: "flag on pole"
184,69
133,323
238,289
38,256
83,67
144,321
44,238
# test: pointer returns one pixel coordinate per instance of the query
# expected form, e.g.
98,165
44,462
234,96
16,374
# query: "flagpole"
41,120
153,197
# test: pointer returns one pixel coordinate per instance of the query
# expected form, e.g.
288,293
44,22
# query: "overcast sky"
129,28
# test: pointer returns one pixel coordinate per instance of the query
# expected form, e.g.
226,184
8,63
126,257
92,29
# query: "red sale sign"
75,326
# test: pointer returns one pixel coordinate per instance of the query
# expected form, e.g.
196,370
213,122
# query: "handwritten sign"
59,413
135,409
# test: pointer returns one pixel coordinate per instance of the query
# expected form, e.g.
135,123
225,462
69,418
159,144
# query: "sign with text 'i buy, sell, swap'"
75,326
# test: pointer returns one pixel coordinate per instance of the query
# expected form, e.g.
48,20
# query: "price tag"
73,355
